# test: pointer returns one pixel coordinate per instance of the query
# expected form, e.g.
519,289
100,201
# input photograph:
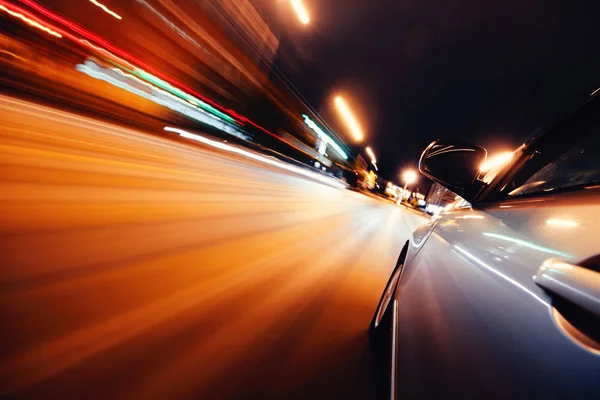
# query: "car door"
503,300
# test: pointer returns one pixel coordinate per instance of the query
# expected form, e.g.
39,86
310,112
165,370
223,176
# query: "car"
498,296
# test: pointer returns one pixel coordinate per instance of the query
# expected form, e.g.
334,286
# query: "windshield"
564,157
577,167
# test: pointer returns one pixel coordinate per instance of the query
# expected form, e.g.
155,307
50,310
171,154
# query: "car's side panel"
418,239
471,321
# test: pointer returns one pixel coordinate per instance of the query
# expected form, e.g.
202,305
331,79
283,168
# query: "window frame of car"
541,150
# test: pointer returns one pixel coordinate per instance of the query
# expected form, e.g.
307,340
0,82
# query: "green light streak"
326,138
527,244
173,90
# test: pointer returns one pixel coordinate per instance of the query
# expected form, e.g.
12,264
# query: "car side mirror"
454,165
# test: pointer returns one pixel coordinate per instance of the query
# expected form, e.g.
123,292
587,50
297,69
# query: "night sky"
490,72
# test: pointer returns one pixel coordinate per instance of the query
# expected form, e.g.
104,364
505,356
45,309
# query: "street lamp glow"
371,154
496,161
409,177
300,11
347,114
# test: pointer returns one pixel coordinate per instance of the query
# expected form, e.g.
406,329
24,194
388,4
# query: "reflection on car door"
471,320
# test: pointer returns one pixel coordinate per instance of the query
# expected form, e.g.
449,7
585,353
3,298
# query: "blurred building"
245,27
229,38
207,65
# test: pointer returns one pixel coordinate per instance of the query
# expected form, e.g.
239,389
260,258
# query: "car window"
578,166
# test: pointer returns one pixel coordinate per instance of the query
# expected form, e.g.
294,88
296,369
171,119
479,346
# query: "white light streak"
562,223
371,154
500,274
105,9
496,161
347,114
527,244
257,157
30,22
298,6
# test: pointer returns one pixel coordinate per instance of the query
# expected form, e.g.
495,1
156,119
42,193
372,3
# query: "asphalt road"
139,267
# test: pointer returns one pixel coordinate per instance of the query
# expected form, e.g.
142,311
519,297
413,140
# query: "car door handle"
581,286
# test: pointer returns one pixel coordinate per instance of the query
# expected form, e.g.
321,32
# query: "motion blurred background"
209,65
175,215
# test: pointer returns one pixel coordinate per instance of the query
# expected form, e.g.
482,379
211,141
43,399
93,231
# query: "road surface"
139,267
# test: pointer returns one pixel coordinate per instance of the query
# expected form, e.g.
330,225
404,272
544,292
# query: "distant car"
499,295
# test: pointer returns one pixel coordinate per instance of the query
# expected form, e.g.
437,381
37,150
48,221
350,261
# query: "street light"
409,177
496,161
371,154
300,11
350,121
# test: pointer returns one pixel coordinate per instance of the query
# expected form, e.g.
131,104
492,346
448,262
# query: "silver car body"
470,321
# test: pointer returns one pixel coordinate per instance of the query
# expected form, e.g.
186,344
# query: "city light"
409,177
496,161
105,9
326,138
371,154
347,115
300,11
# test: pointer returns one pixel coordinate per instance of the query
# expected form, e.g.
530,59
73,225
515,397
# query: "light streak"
165,85
12,54
257,157
107,53
29,21
496,161
179,31
158,96
326,138
350,121
300,11
500,274
371,154
105,9
529,245
563,223
447,149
